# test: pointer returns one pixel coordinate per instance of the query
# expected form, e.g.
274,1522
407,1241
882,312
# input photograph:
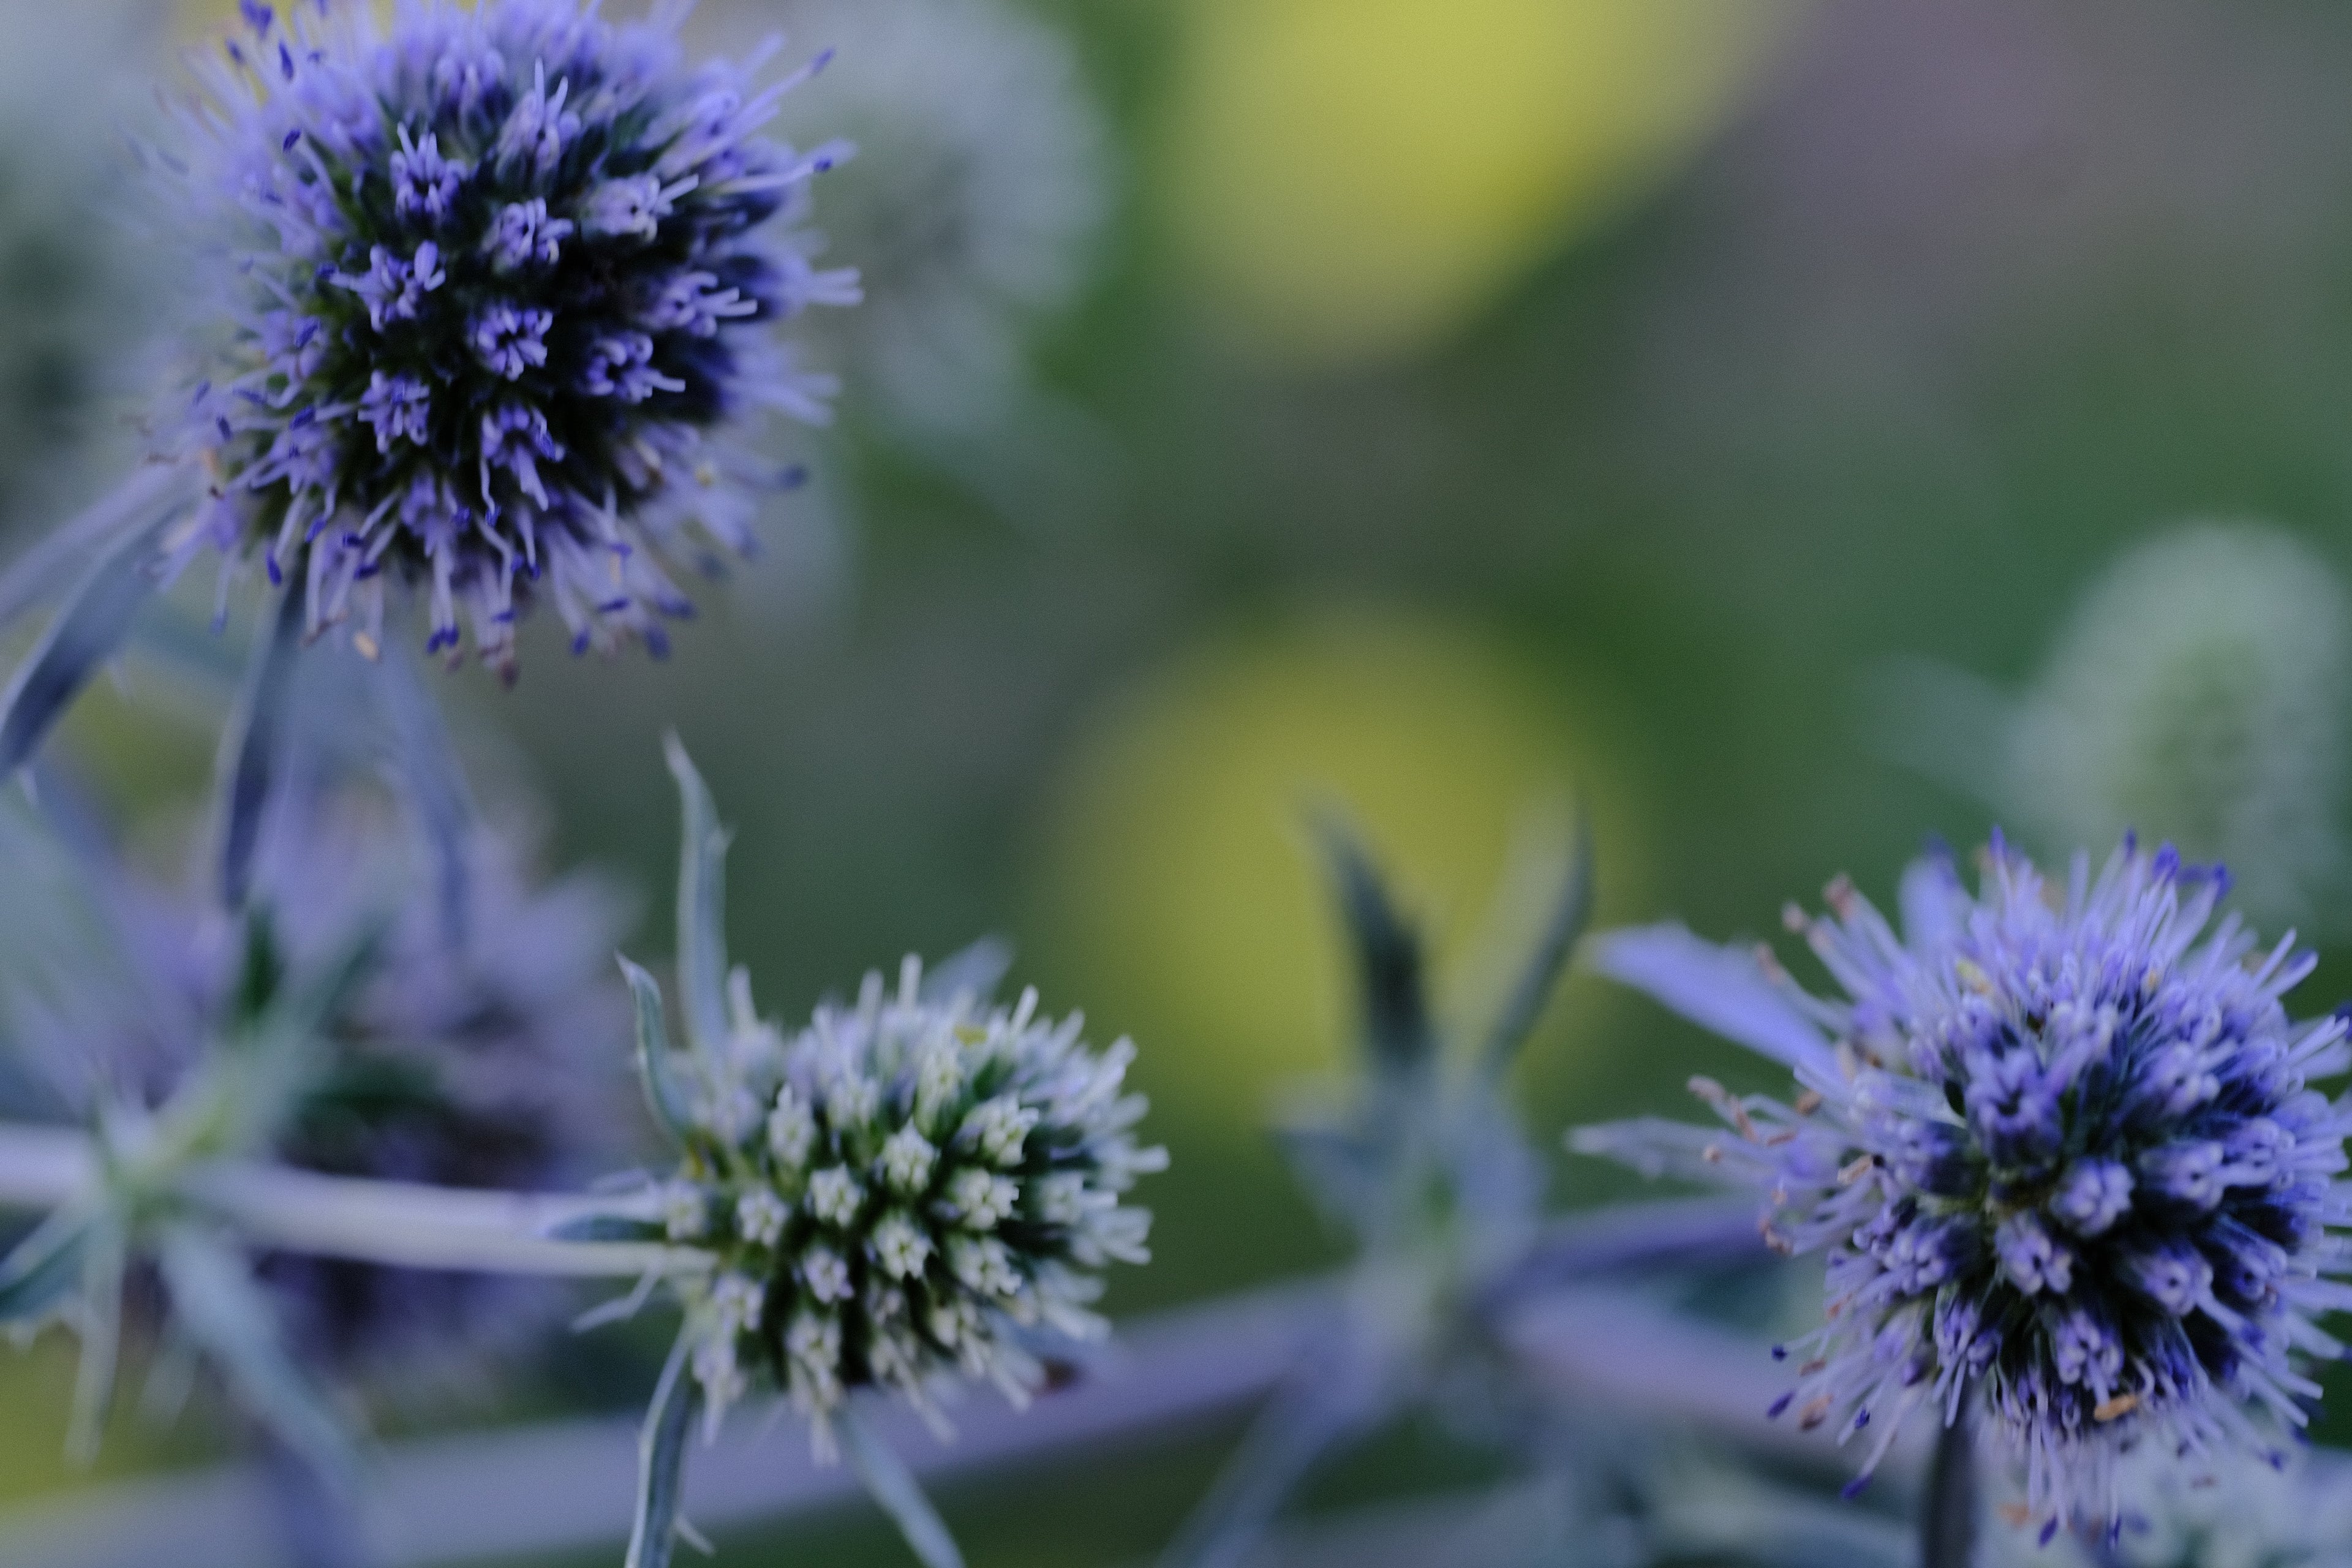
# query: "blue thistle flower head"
2060,1145
503,285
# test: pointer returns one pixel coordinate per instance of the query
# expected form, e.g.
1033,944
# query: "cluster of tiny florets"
507,276
2059,1147
899,1191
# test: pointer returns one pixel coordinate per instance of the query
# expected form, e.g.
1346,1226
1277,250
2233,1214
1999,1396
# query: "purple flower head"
470,222
2056,1141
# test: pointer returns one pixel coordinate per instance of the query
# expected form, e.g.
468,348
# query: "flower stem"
1948,1523
399,1224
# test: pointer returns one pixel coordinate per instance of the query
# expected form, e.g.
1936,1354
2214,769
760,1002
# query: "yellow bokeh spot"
1183,885
1356,178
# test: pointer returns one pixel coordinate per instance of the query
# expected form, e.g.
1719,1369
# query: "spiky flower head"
2060,1146
977,207
2198,692
503,280
2254,1515
902,1189
477,1061
900,1192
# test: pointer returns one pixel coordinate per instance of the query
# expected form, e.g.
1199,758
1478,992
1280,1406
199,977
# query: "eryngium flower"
2198,692
481,1066
503,287
900,1191
977,209
2059,1147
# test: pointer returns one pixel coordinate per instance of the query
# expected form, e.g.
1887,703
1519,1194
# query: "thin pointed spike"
248,760
142,504
701,907
1571,913
1320,1406
975,971
661,1462
88,631
225,1310
893,1487
38,1278
1398,1034
102,1344
669,1102
426,759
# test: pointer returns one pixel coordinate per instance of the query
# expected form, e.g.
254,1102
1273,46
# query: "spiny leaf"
426,759
701,907
260,970
1397,1031
86,634
672,1106
226,1313
142,505
103,1259
893,1486
39,1276
1571,913
248,760
975,971
286,1053
1335,1396
603,1228
661,1463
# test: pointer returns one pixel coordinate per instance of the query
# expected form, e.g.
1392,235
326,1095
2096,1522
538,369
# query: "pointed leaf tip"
87,632
1571,913
701,907
671,1105
661,1463
249,750
1398,1034
894,1489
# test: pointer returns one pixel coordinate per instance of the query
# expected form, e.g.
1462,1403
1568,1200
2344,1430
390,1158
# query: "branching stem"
399,1224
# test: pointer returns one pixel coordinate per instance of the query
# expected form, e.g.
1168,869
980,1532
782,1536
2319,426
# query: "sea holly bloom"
2060,1146
502,282
903,1191
338,1026
979,206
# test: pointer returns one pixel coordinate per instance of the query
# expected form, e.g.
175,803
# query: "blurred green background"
1467,407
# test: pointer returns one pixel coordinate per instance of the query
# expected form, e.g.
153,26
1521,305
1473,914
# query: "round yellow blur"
1184,887
1351,179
